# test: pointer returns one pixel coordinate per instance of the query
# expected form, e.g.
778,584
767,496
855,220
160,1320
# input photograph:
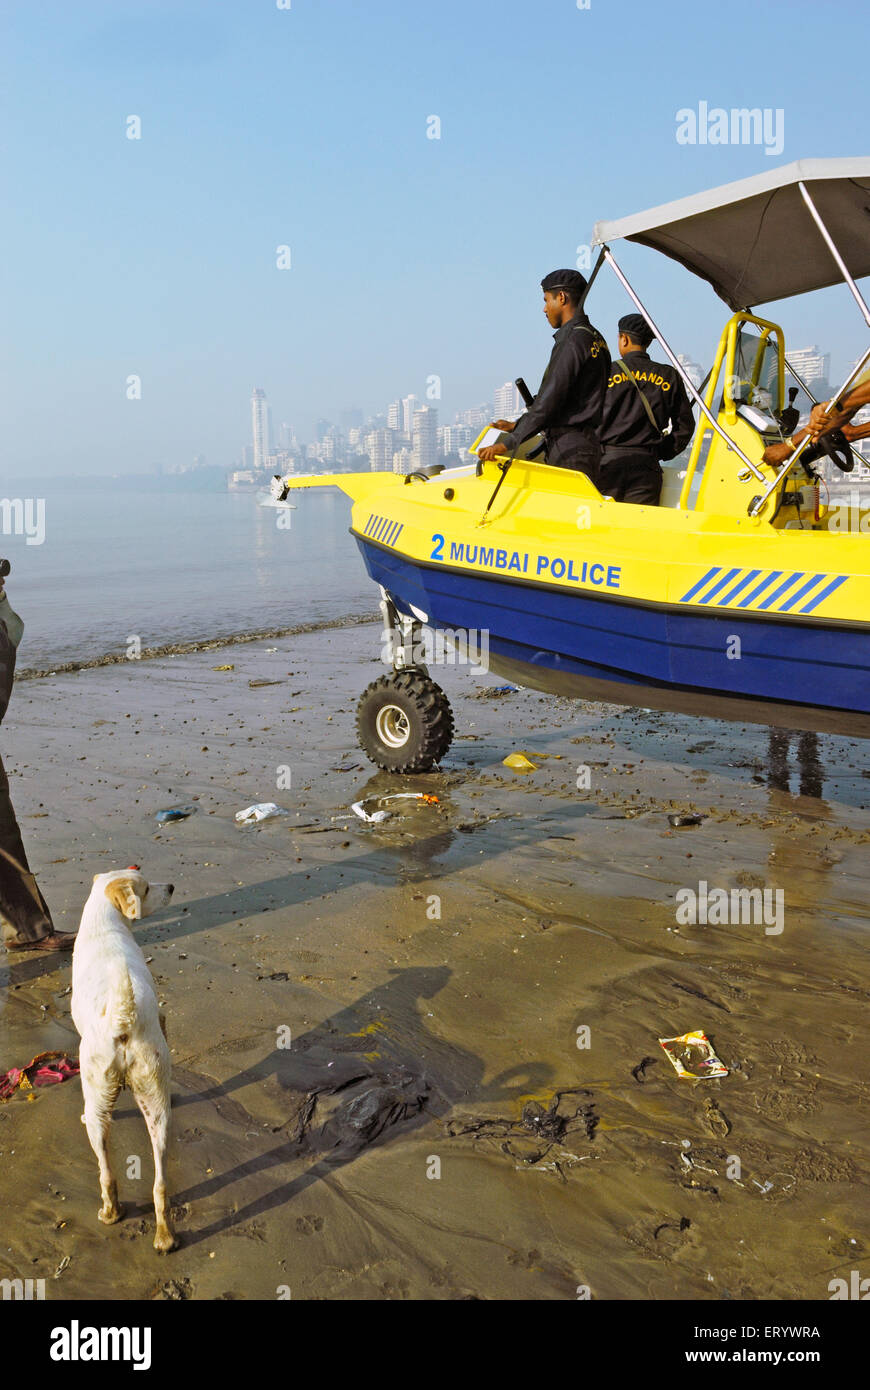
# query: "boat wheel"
404,722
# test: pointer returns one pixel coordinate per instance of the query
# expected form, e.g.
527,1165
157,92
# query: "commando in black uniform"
570,399
632,428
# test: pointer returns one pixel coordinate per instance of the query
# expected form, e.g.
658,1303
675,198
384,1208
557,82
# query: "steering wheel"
835,445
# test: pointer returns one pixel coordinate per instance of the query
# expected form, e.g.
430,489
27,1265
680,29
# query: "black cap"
637,328
570,280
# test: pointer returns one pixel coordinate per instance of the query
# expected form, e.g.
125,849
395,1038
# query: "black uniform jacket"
571,394
626,423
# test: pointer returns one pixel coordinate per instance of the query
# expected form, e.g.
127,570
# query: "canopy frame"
757,502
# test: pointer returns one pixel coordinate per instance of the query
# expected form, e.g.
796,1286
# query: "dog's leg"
155,1110
100,1096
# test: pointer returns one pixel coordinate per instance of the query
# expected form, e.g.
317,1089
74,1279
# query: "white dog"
114,1008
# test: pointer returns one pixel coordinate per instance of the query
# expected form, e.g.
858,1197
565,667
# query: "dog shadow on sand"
368,1076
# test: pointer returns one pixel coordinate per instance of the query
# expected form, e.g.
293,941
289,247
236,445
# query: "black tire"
404,722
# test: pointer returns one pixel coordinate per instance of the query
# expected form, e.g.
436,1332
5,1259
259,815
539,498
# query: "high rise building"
379,445
455,439
394,417
812,365
507,402
424,438
694,371
409,405
403,461
260,427
476,417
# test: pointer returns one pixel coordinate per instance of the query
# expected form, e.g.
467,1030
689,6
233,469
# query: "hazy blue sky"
410,256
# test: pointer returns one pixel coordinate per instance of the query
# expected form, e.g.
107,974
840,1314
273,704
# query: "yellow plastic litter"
518,762
693,1050
223,668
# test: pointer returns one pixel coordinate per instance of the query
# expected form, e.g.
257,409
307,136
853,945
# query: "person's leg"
25,921
611,477
577,451
644,483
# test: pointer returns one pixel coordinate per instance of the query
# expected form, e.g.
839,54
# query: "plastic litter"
716,1122
261,810
692,1056
175,813
518,762
678,821
372,817
231,667
254,685
46,1069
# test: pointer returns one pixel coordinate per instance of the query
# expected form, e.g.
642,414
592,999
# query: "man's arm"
559,381
682,424
823,418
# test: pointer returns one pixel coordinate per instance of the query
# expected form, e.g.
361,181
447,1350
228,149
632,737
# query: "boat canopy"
754,240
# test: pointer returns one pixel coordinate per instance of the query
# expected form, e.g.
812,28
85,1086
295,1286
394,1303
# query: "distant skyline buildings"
813,365
259,427
424,439
507,402
409,405
694,371
405,436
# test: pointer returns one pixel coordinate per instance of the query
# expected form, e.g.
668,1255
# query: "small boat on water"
737,597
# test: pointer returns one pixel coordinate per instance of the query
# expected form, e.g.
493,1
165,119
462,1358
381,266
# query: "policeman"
642,398
571,396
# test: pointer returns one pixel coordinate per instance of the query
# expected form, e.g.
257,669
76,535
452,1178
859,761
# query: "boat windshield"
756,371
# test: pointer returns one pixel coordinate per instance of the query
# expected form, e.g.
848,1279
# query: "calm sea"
172,567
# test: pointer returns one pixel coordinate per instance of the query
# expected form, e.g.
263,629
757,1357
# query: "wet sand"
423,1043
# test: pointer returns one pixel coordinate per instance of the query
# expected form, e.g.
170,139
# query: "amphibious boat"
740,596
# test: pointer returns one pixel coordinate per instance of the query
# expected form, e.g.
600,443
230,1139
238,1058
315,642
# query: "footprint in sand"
307,1225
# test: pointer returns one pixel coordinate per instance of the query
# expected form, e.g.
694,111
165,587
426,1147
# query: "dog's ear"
122,894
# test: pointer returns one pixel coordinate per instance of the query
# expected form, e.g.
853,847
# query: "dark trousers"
25,916
630,475
575,449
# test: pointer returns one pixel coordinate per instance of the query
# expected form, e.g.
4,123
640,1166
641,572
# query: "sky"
268,124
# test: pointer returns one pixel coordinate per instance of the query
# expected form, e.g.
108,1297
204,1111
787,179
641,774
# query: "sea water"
107,566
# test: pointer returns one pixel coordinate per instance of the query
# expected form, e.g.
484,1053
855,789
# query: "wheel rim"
393,728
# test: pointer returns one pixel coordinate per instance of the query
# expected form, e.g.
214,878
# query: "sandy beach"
440,1125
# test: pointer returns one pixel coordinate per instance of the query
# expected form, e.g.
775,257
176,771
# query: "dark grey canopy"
755,240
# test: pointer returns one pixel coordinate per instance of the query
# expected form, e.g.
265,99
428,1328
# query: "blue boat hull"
791,671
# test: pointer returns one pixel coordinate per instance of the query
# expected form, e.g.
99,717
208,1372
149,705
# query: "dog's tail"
122,1009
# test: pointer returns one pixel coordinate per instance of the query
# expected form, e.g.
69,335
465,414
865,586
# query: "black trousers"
630,475
576,449
25,916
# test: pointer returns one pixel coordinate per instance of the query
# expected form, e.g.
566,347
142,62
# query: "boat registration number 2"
525,562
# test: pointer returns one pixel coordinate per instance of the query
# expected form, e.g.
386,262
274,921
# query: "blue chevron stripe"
760,588
740,585
700,584
720,584
800,593
778,592
825,593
